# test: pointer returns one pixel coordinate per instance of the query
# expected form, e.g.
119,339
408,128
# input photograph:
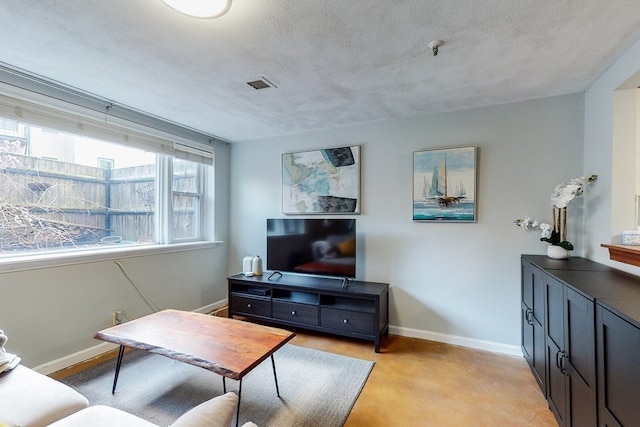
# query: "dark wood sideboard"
359,310
581,338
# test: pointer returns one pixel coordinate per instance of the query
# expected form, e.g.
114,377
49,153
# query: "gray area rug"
316,388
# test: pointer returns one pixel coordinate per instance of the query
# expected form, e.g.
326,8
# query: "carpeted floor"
316,388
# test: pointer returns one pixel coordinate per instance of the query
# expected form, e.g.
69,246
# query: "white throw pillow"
216,412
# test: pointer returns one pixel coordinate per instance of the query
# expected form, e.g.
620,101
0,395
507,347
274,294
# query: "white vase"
256,266
557,252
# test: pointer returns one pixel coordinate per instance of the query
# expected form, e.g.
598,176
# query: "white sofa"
30,399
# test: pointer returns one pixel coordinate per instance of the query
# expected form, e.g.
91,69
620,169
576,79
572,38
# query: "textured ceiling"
334,62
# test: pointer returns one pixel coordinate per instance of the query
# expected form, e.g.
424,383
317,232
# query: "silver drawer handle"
345,321
293,313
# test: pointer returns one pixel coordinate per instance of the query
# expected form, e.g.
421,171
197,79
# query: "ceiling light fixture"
200,8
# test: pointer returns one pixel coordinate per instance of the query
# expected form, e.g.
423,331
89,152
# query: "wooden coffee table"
228,347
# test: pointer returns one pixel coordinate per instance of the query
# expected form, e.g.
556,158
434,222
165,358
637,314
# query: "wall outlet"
117,317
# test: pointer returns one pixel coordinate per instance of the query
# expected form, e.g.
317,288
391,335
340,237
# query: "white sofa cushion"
30,399
102,416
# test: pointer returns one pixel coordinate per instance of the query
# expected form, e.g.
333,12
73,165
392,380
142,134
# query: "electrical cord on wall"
152,305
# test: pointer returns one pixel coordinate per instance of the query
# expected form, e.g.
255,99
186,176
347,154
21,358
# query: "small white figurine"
8,361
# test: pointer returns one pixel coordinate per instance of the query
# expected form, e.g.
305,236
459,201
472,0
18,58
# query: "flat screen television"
316,246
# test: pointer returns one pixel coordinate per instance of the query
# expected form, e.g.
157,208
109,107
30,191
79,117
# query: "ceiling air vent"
260,83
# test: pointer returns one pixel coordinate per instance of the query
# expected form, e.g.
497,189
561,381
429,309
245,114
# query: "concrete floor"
424,383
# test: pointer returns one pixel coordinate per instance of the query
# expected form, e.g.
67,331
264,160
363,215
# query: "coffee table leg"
239,396
275,377
118,364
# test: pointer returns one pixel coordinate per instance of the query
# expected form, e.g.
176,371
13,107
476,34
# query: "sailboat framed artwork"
444,184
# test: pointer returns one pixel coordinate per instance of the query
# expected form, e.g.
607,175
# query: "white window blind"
35,100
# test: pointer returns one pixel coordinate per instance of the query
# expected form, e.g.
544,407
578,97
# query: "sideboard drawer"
251,306
299,313
349,321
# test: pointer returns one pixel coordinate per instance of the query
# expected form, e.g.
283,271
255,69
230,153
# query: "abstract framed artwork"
444,184
323,181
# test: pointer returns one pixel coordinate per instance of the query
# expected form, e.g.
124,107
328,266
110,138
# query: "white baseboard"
495,347
75,358
212,307
97,350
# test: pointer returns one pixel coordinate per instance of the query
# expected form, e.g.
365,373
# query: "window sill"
57,259
624,253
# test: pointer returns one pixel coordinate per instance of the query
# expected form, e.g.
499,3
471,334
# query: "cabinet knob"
293,313
345,321
248,305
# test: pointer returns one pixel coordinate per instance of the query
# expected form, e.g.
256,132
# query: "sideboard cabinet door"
618,346
532,318
556,381
570,347
580,358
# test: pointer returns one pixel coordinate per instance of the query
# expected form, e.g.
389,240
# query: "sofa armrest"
28,398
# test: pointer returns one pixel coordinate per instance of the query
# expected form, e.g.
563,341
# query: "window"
94,194
186,190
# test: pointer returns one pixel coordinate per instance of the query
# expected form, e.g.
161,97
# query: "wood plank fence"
88,204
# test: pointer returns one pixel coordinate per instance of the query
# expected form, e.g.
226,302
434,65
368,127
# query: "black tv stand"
359,310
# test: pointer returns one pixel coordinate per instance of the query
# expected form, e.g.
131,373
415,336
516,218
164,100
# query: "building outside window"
105,163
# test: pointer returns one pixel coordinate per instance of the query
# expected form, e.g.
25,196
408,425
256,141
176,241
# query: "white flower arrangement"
563,194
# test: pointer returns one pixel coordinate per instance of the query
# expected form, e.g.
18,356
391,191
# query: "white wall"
625,157
447,280
50,313
601,221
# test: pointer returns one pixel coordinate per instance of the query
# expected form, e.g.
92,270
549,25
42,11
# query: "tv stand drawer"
347,321
299,313
251,306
